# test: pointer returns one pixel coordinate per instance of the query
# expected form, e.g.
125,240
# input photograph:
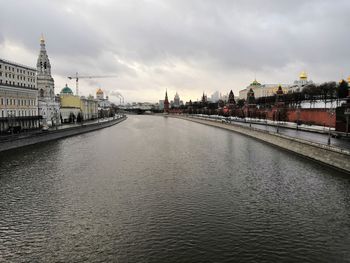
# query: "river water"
155,189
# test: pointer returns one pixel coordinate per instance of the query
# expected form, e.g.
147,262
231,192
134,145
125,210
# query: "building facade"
18,97
176,103
300,83
103,103
75,108
49,108
262,90
89,108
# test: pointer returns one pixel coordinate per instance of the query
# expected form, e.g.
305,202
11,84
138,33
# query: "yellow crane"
77,77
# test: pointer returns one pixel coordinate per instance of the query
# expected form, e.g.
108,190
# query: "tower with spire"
45,84
166,102
48,108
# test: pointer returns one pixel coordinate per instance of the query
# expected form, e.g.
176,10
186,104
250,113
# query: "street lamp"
298,117
330,114
277,117
250,121
347,113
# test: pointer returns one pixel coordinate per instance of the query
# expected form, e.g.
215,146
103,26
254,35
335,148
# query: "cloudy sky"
188,46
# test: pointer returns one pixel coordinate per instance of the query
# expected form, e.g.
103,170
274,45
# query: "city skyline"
182,46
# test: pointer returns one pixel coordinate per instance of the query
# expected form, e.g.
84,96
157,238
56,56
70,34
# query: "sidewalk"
292,125
282,124
71,125
61,127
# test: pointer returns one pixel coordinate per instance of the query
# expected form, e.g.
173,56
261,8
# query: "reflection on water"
155,189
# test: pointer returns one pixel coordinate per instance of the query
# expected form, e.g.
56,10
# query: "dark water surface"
155,189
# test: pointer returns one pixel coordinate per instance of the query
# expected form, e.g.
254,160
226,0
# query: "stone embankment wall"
54,135
331,156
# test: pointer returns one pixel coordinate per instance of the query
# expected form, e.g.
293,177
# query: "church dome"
66,90
303,75
349,79
255,83
99,91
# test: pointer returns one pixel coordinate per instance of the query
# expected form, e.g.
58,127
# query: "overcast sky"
188,46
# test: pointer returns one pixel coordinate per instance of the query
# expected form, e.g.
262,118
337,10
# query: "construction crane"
77,77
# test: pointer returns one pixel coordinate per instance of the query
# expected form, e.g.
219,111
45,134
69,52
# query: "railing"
315,144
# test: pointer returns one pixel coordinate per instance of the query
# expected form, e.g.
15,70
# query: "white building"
215,97
161,105
176,103
262,90
49,108
301,83
103,103
18,97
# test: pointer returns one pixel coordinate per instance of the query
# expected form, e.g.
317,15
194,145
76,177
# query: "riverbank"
50,135
328,155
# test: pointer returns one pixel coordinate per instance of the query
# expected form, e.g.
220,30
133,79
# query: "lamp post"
250,121
298,117
347,113
277,117
330,114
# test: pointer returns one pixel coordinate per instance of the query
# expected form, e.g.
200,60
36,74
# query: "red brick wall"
313,116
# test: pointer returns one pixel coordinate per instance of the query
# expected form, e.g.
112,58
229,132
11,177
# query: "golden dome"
303,75
349,79
99,91
42,39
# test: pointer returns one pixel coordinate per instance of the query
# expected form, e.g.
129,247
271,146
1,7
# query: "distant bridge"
137,109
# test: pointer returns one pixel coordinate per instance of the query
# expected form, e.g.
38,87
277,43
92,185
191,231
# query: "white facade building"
49,109
103,103
300,83
262,90
18,97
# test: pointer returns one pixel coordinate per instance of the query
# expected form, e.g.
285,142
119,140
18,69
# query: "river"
155,189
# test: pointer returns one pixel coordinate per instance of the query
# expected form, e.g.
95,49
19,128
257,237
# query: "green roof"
255,83
66,90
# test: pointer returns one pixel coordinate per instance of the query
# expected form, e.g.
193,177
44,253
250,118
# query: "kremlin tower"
166,102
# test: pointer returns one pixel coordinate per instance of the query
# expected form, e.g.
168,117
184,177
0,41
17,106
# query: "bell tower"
49,109
45,82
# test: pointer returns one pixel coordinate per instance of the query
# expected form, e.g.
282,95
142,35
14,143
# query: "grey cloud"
154,36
